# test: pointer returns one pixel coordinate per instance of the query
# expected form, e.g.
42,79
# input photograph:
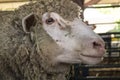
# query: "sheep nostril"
96,45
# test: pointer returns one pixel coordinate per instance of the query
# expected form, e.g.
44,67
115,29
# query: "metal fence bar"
101,66
104,23
108,6
100,78
113,50
76,71
109,33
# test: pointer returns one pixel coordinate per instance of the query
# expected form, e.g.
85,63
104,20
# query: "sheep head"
72,41
79,43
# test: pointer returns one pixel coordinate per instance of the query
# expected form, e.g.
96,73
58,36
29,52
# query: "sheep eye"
50,21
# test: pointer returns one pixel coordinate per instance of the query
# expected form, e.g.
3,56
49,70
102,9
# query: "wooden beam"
105,6
91,2
9,1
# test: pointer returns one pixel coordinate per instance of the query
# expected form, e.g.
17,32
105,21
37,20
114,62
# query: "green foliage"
117,28
106,11
112,11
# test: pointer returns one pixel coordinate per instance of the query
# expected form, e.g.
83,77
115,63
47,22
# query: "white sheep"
38,44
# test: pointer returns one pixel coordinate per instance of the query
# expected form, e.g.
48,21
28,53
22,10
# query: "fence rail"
101,66
100,78
82,72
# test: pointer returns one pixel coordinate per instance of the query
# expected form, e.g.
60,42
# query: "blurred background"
104,16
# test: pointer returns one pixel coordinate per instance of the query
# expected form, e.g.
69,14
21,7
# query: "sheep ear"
28,22
92,27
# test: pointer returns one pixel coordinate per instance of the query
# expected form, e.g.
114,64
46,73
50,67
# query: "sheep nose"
99,45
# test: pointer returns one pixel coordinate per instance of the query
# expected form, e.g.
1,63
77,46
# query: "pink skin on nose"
100,46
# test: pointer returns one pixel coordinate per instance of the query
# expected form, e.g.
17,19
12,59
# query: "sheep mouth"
91,56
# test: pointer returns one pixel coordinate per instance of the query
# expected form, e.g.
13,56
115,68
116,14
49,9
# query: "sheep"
36,43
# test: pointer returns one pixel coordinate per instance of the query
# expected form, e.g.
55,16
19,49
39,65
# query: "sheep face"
79,43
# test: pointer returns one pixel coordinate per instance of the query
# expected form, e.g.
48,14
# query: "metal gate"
109,69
